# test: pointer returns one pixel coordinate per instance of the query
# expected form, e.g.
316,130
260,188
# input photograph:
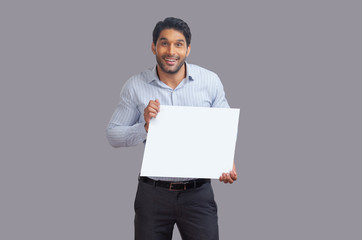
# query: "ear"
153,48
188,50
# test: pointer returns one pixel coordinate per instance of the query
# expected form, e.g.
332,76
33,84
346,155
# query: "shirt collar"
154,77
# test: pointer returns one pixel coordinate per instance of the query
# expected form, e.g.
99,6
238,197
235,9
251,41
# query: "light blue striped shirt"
200,88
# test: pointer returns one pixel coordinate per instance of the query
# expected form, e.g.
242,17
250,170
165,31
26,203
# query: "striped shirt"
200,88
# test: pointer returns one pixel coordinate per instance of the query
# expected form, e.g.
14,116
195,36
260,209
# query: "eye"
163,43
179,44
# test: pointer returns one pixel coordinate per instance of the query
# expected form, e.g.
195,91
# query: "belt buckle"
177,183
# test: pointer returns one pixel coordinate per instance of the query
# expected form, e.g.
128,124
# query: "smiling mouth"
170,61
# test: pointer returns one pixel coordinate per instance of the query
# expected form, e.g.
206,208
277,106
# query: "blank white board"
192,142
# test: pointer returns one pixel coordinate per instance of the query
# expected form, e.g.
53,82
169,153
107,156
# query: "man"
161,202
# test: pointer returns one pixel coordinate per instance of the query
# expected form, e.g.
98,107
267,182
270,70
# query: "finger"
152,114
154,106
233,175
149,109
156,102
226,178
221,178
230,180
149,116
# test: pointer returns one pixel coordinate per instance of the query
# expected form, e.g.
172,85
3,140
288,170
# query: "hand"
230,177
151,111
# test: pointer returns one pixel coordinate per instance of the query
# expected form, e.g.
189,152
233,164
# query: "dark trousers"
157,210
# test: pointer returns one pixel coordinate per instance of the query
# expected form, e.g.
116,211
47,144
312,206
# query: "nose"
171,50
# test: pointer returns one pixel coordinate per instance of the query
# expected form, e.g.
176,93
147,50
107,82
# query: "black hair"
172,23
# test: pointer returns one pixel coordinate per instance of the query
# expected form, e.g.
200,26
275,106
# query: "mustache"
171,56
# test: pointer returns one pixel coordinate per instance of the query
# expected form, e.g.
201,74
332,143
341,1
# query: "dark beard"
162,66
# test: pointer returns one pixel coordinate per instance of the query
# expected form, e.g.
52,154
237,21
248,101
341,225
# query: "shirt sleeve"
219,100
124,128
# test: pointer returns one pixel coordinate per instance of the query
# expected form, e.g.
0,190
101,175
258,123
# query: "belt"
176,186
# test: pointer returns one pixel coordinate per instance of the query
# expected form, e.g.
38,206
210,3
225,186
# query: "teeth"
170,60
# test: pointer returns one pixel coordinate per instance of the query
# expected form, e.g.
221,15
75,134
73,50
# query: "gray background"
292,67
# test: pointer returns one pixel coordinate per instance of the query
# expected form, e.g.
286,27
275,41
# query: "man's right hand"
151,111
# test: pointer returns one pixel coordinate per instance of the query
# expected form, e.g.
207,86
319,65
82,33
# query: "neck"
172,80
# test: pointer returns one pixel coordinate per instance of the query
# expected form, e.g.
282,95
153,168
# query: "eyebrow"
179,40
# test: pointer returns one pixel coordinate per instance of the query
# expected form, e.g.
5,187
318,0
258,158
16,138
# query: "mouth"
170,60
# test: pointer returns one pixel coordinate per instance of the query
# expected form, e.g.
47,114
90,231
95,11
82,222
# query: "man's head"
172,23
171,44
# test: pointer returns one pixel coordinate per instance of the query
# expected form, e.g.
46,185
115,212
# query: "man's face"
170,50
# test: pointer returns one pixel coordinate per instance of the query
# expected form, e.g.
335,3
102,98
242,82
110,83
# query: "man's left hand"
230,177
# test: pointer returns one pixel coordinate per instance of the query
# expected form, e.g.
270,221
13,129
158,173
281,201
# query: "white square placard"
193,142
